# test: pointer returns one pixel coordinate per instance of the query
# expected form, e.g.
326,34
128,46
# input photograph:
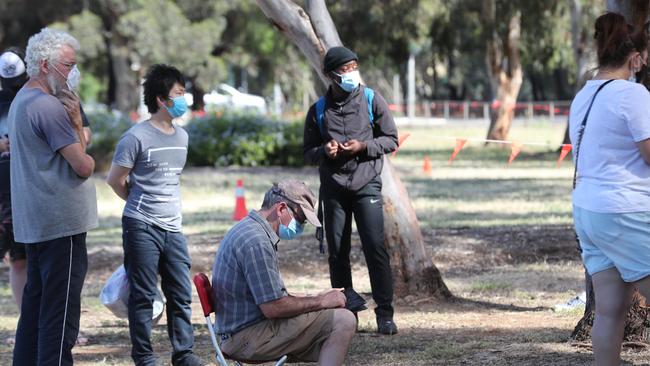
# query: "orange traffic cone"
426,167
240,202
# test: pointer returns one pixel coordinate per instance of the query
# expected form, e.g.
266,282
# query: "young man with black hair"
152,155
346,134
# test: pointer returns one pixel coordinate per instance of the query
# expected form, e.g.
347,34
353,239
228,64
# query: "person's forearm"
290,306
121,189
82,138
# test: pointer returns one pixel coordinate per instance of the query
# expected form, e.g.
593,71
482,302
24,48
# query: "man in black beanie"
347,132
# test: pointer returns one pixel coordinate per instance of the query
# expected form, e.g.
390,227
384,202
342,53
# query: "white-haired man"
54,203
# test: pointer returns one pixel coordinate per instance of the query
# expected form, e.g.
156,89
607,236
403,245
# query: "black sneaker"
386,326
190,360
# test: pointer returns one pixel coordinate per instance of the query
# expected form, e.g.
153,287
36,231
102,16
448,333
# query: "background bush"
243,139
107,127
215,140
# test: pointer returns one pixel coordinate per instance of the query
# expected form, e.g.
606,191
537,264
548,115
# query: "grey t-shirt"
49,199
156,161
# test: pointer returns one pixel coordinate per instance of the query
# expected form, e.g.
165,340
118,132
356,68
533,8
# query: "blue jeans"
149,251
51,307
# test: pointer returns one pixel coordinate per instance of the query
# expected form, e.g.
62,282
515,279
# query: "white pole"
411,86
397,93
277,99
551,111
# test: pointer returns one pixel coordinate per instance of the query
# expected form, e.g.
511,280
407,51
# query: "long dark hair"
616,39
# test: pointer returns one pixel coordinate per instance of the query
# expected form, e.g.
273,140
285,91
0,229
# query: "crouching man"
257,319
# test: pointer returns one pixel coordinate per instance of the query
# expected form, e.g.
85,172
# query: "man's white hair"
46,45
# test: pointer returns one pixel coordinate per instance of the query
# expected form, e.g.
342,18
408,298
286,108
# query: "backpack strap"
320,114
370,95
320,110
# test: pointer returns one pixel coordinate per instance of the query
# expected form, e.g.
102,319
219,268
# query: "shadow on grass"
481,304
469,190
526,345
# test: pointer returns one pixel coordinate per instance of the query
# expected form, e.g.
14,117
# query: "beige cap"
297,192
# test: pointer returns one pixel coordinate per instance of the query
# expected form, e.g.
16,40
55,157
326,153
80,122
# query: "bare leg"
644,287
613,297
335,347
18,278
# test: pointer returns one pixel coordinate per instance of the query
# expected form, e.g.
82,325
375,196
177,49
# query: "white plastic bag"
115,296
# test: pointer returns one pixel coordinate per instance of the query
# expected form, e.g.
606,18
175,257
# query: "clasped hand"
333,148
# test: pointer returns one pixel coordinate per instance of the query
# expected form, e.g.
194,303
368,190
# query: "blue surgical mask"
350,80
291,231
179,108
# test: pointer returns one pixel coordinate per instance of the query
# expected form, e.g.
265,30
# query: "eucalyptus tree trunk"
637,323
313,31
504,67
123,91
580,42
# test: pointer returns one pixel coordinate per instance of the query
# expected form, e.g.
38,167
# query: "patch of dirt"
477,249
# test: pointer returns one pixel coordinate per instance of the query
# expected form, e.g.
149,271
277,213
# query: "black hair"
159,81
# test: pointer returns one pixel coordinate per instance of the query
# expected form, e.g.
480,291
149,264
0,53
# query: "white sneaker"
577,301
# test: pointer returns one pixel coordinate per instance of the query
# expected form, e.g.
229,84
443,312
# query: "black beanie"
337,56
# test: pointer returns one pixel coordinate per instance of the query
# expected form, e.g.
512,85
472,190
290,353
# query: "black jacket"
344,121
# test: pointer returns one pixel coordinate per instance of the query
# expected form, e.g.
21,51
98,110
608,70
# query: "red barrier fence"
450,109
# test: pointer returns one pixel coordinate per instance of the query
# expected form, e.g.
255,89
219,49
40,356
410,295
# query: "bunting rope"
515,146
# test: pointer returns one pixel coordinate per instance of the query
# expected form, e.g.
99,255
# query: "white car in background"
228,97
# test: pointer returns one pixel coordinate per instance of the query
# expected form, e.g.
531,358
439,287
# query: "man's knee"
344,321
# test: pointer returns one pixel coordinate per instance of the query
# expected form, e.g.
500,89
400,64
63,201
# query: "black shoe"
386,326
353,301
190,360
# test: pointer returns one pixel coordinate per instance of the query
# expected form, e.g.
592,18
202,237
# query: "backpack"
320,110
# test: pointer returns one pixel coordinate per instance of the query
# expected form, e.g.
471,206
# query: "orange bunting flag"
426,166
515,149
401,140
565,151
459,146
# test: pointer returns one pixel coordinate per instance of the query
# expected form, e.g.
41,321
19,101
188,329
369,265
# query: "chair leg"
281,361
213,337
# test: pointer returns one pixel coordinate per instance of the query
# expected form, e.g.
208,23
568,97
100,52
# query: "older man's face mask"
55,83
71,81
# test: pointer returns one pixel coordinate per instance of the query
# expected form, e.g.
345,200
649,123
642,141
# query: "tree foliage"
215,41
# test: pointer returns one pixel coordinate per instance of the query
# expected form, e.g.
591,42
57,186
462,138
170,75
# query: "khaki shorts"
300,338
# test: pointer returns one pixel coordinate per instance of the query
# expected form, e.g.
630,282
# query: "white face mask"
73,79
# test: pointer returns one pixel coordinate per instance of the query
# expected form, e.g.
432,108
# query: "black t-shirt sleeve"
84,118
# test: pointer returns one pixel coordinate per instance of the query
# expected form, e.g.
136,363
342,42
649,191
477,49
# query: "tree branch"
322,23
295,24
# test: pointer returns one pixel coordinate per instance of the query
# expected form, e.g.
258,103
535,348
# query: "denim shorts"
614,240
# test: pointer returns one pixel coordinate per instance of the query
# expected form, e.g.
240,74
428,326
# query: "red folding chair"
204,289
